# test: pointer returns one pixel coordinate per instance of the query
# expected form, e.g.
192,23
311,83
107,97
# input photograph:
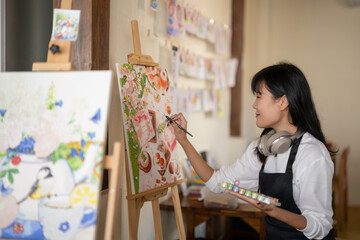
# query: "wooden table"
197,213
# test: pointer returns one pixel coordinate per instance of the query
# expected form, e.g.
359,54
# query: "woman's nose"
254,105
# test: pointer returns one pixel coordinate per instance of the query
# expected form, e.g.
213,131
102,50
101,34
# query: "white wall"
322,37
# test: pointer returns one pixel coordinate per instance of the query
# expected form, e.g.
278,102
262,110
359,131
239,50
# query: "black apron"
279,185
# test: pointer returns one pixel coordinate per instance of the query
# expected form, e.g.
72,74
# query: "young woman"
290,160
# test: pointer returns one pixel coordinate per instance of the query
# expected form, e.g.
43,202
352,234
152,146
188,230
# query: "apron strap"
293,152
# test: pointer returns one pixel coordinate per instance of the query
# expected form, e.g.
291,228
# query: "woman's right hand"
179,119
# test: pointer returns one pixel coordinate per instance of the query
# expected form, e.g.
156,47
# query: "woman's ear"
283,103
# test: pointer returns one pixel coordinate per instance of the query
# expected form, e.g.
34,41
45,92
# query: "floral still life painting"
152,151
65,25
52,138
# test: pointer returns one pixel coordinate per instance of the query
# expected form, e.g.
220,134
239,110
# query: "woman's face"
268,109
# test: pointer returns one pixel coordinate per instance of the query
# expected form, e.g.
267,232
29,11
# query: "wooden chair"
340,190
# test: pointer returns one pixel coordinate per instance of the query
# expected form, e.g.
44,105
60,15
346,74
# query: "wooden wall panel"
236,52
100,34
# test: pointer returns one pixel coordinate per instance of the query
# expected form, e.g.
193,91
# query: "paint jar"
274,201
230,186
266,200
248,193
236,189
236,183
224,185
254,195
261,197
242,191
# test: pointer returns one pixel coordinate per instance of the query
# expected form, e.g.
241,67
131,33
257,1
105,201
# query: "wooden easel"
61,60
137,58
112,163
136,201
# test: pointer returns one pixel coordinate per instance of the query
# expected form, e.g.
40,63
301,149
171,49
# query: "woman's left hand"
267,208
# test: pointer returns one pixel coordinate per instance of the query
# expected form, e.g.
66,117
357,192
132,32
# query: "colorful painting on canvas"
65,25
52,134
145,99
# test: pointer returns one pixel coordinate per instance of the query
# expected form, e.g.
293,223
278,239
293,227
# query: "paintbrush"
171,120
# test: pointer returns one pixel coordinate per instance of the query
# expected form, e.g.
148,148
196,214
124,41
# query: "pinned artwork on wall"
172,25
209,101
180,20
52,137
175,62
195,101
154,5
188,12
220,104
151,143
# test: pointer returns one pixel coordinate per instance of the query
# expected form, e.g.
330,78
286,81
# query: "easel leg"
157,219
178,214
112,163
133,219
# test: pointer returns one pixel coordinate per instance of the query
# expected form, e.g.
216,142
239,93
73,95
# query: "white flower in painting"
59,124
45,116
61,130
10,136
77,116
45,144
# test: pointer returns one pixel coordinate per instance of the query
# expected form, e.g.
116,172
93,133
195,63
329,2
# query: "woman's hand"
267,208
179,119
293,219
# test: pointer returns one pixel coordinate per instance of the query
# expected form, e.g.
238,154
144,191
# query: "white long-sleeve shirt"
313,171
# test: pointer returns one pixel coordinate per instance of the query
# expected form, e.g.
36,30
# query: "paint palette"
255,195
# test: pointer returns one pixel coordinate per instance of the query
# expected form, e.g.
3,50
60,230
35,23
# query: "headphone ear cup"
263,146
279,142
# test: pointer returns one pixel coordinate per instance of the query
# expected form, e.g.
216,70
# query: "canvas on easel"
52,137
152,165
151,142
53,131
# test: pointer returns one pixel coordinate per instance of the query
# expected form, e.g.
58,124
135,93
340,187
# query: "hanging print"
180,12
172,25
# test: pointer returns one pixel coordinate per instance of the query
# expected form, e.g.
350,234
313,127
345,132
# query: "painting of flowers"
65,25
152,151
52,137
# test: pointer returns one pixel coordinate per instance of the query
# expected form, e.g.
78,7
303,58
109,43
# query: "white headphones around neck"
277,142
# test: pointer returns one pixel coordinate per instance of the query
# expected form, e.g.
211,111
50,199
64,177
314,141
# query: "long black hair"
287,79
